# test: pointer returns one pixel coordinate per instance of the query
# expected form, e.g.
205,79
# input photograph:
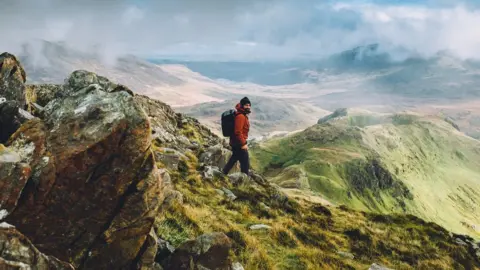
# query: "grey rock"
164,250
169,157
167,180
238,178
162,135
184,141
157,266
259,179
81,80
237,266
260,227
378,267
201,267
346,254
460,242
229,194
211,172
195,146
216,155
24,114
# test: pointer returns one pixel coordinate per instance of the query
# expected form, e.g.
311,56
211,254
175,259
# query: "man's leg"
244,162
231,161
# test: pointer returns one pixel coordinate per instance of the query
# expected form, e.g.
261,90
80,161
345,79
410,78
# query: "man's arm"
239,123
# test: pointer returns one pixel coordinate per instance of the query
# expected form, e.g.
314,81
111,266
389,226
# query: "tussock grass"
304,234
307,238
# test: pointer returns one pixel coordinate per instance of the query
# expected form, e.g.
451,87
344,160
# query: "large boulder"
17,252
94,188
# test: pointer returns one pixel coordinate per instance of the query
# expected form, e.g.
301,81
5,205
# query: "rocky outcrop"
17,252
12,79
12,96
82,181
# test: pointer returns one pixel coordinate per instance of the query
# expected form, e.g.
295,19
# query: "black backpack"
228,122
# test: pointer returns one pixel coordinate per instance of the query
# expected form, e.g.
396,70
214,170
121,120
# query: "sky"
244,29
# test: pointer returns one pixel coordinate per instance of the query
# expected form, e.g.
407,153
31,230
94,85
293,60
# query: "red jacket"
242,126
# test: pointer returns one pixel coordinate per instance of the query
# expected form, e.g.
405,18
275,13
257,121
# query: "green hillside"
408,163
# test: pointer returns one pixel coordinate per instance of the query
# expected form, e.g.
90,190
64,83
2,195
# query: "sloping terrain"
383,163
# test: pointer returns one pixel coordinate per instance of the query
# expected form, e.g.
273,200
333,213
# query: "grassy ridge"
401,163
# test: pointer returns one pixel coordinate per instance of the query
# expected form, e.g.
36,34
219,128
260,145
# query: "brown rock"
44,93
95,189
17,252
208,251
147,260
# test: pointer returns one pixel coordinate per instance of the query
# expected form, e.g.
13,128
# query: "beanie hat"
244,101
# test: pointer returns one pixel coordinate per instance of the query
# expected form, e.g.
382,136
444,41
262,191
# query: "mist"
241,30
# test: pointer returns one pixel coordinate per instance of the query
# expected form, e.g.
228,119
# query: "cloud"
234,29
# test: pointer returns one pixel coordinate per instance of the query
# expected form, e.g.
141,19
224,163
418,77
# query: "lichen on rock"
94,188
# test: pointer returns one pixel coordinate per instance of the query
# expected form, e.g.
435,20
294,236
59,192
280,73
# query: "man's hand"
245,147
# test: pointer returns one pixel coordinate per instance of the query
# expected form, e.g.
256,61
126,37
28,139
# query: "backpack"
228,123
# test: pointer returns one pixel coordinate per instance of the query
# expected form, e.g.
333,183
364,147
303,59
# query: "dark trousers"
241,155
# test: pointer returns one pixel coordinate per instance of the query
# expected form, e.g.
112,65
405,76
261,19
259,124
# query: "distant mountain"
51,62
264,73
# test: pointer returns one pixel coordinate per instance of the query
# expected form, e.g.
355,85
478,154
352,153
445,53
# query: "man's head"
245,102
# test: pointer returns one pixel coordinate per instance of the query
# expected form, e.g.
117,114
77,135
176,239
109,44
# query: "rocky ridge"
83,156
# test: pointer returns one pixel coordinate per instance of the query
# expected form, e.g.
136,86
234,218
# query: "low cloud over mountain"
269,29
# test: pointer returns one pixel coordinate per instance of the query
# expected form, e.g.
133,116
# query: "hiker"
238,139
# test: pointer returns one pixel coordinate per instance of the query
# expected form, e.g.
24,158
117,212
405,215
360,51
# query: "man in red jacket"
238,140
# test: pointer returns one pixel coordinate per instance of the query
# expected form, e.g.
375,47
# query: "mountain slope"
386,163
